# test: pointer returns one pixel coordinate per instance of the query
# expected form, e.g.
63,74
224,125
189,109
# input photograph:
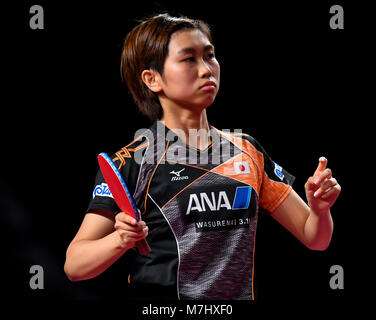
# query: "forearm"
318,230
86,259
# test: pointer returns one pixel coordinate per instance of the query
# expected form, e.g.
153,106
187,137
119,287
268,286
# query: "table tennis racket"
121,194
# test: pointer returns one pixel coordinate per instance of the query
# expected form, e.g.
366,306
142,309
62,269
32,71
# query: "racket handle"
143,247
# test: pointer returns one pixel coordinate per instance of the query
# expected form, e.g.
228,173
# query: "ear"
152,79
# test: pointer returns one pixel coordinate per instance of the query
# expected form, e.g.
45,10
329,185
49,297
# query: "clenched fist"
130,231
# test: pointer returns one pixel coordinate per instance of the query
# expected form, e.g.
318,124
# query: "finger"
139,234
321,166
310,184
326,174
126,218
127,226
133,234
122,226
130,241
325,187
141,224
334,192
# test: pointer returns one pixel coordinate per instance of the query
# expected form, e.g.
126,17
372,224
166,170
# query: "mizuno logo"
177,175
215,201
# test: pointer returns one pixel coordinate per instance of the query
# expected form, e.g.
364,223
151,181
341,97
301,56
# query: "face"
191,72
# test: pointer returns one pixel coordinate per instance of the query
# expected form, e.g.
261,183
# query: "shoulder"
128,160
242,140
131,153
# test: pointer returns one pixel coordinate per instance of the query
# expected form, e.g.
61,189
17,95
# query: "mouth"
208,86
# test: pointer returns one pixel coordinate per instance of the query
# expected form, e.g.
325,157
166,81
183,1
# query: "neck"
191,127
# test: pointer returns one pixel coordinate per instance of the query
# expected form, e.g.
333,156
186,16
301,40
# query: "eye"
211,56
190,59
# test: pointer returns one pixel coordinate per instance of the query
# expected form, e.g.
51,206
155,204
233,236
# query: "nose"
205,70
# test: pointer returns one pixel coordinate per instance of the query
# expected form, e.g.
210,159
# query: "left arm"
312,224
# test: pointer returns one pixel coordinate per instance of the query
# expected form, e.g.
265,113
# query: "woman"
199,189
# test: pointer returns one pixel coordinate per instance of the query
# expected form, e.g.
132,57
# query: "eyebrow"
193,50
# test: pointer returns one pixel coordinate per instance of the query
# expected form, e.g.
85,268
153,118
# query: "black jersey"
201,208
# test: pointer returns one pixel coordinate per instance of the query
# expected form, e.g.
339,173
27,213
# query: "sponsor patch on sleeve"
278,171
102,190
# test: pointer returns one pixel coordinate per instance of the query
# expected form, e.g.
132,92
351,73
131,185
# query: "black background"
287,79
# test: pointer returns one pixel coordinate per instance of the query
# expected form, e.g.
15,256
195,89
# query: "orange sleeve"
272,193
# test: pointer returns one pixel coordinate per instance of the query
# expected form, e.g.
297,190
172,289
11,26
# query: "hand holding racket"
121,194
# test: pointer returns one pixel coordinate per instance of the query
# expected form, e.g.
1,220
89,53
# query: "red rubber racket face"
121,194
117,186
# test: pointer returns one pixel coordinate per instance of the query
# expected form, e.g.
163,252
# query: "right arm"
100,241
